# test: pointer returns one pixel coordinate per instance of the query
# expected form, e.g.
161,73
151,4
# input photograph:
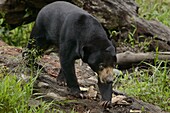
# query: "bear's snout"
109,79
106,75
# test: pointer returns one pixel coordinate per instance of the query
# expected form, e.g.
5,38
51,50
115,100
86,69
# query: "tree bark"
117,15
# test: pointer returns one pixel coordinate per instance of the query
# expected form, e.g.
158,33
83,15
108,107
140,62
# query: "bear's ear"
111,49
82,19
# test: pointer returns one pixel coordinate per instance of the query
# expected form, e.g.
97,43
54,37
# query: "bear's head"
102,61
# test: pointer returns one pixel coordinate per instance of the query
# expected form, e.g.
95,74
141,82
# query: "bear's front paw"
61,82
105,104
76,93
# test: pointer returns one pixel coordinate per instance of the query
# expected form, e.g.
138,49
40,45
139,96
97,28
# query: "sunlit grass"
15,95
18,36
151,85
155,10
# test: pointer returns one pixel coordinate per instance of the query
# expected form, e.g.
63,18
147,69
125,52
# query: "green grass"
18,36
15,96
155,10
151,85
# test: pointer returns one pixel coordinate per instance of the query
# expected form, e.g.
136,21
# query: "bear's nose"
109,79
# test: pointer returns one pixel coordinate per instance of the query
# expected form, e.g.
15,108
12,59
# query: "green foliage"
15,96
155,10
16,37
145,44
130,39
151,85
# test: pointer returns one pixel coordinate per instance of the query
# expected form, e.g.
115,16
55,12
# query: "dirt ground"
11,58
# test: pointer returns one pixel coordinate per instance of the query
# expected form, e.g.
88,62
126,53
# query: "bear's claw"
105,104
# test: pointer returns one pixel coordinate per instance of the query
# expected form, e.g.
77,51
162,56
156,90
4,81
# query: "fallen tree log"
113,14
127,59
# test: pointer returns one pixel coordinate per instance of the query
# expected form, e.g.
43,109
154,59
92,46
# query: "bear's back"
52,16
59,10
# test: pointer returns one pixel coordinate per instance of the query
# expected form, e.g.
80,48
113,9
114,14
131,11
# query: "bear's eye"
101,66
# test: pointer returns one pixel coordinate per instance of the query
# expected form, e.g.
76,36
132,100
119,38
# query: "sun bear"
77,35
